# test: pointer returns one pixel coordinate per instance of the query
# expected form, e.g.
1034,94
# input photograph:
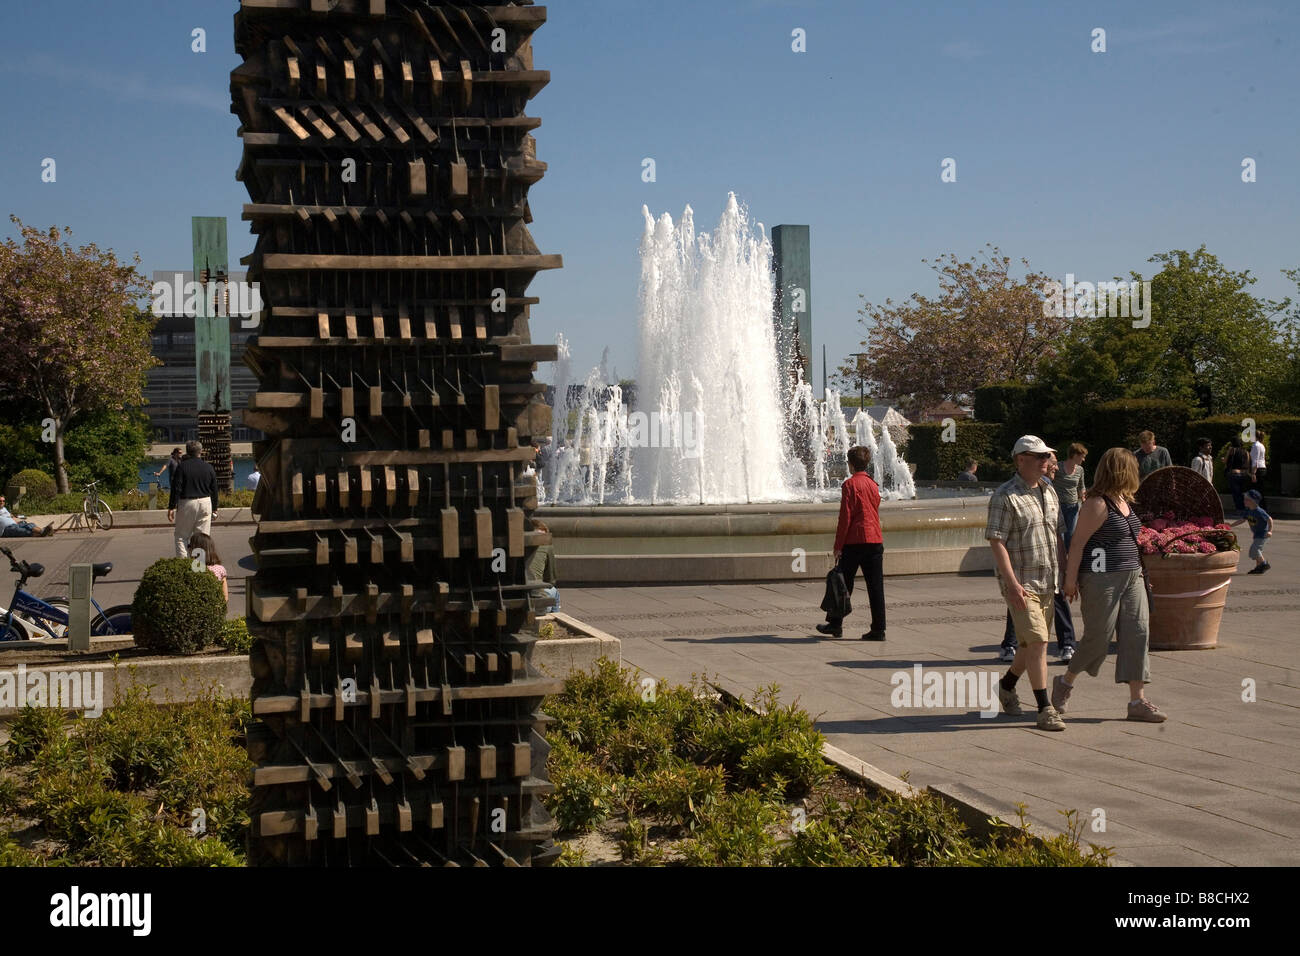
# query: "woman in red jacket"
859,543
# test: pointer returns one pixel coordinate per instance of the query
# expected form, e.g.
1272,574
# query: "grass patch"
669,775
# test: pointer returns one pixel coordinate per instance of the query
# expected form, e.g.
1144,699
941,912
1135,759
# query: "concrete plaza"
1218,784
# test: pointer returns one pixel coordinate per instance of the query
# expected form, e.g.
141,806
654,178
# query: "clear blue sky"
1081,162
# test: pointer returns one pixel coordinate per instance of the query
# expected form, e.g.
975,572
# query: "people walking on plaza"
1104,570
1261,526
1203,462
1237,471
202,547
1064,623
969,473
1149,455
11,527
860,544
1025,530
193,501
1258,464
169,466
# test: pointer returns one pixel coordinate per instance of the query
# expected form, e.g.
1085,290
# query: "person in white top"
1203,463
1258,465
254,477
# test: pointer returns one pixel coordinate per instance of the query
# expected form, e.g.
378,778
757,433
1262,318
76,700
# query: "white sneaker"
1008,654
1067,653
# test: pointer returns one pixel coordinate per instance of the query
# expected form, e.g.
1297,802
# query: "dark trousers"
1237,487
1064,626
23,529
871,559
1260,474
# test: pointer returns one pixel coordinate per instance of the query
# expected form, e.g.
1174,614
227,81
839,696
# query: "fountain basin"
710,544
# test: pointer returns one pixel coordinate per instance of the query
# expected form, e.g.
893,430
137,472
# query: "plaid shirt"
1029,524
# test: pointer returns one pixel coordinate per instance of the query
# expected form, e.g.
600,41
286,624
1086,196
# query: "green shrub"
584,794
939,460
177,609
40,486
740,831
1117,424
31,731
239,498
234,636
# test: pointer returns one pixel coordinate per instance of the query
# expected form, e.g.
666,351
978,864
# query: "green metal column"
792,262
212,346
211,325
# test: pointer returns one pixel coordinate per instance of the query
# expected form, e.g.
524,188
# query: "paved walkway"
1217,784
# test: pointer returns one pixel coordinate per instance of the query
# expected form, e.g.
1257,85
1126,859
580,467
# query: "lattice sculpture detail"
387,157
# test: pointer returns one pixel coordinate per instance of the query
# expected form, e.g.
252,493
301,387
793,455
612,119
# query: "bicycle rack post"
79,584
153,495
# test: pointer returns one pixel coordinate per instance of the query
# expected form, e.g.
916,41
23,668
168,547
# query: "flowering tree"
74,339
984,326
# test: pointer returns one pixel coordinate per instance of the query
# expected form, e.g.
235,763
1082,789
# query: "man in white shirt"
1203,463
1258,465
254,477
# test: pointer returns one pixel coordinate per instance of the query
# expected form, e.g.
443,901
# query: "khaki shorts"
1034,624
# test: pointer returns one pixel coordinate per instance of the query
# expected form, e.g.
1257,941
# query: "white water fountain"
709,426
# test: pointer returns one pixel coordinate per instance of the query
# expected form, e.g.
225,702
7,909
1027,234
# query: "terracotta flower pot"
1188,593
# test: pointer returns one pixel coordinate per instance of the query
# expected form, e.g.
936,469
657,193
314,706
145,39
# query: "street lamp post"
862,398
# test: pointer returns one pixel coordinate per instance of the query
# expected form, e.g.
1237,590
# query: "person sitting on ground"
1149,455
1104,570
11,527
969,473
1261,524
1025,529
541,567
205,549
859,543
1203,463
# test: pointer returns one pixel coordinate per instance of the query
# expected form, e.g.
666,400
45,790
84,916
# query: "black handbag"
836,602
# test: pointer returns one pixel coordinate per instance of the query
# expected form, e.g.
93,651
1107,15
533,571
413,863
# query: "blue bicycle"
27,612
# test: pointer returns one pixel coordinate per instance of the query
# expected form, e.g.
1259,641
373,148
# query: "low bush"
234,636
128,788
40,486
177,609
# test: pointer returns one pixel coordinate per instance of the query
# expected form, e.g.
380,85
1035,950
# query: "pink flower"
1158,524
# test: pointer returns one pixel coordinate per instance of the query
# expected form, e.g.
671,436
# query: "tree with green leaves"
75,339
1209,343
984,326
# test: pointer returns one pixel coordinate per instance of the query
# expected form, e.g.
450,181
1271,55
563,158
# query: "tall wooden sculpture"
388,160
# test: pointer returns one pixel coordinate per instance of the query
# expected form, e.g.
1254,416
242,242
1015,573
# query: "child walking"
208,549
1261,524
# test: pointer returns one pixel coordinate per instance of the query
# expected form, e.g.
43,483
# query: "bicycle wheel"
103,515
114,620
13,632
60,630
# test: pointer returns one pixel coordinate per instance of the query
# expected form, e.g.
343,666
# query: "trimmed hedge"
177,609
1020,405
1117,423
938,460
40,486
1281,444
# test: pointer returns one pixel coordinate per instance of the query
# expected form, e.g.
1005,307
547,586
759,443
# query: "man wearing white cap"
1025,530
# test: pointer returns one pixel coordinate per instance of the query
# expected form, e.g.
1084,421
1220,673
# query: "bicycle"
94,508
27,612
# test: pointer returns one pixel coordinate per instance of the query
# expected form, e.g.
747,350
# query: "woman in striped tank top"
1104,569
